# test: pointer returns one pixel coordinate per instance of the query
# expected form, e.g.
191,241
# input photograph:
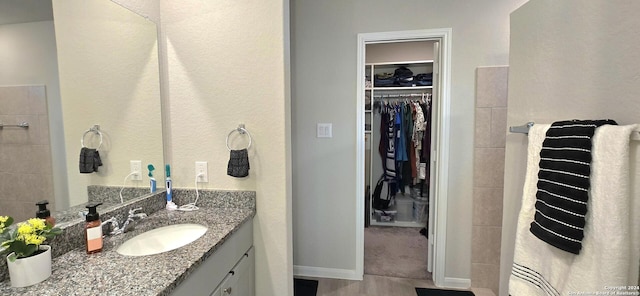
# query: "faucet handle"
114,225
133,211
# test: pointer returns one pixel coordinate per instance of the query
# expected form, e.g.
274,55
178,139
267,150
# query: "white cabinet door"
218,290
240,281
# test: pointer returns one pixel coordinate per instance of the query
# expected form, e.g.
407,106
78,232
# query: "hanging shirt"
426,140
390,153
384,136
401,149
419,124
407,129
413,161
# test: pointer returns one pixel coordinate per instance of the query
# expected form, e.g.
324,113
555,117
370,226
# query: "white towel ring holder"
94,129
241,130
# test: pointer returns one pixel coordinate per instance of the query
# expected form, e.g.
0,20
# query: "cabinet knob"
227,291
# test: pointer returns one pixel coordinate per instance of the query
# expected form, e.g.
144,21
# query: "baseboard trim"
322,272
457,283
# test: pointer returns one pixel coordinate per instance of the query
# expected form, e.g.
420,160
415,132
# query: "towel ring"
241,130
94,129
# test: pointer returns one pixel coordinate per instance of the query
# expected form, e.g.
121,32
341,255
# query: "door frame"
440,152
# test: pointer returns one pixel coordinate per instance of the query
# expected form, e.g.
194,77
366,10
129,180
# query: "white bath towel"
611,244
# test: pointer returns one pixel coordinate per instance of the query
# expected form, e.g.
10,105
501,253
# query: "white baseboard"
321,272
457,283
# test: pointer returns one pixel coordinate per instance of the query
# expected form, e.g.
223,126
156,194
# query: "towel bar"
23,124
524,129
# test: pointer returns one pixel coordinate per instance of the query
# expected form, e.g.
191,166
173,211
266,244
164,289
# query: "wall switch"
136,168
202,175
324,130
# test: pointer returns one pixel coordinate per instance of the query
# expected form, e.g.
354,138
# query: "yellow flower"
3,219
24,228
32,239
36,223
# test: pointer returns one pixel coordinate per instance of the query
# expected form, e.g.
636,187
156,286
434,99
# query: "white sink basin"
161,239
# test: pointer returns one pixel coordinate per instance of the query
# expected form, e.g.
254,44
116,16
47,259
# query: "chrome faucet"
115,228
131,218
127,225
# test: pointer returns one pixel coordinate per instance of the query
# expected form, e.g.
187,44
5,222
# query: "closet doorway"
403,111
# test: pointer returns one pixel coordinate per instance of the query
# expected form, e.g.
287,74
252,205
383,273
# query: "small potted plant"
28,259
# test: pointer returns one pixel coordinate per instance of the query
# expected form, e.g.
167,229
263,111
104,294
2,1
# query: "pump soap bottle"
44,213
93,229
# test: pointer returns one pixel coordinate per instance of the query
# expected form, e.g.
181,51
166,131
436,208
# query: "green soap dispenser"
93,229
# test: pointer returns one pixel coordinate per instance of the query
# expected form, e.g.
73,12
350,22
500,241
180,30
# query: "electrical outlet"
202,174
324,130
136,167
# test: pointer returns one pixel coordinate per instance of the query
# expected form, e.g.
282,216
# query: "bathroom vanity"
229,271
221,262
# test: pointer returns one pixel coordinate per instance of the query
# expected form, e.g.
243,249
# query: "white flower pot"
31,270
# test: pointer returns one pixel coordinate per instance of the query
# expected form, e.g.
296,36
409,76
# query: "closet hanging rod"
524,129
401,96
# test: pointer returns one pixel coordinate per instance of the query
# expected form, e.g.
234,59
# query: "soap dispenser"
93,229
44,213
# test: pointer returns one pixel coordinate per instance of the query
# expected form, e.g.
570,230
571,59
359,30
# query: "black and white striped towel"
563,183
610,254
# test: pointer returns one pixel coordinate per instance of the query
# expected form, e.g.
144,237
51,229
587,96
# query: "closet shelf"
400,63
401,88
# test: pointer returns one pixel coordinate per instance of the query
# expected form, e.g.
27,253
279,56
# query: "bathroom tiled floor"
374,285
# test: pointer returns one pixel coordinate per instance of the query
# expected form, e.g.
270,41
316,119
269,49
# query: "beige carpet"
395,251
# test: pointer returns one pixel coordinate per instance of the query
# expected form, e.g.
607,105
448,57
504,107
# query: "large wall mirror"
65,67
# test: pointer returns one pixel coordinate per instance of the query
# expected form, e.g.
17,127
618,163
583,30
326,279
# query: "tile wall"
489,148
25,157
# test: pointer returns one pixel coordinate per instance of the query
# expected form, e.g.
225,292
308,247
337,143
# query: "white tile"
482,134
488,167
491,86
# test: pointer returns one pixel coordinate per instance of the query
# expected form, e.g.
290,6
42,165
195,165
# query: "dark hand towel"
89,160
563,183
96,161
238,163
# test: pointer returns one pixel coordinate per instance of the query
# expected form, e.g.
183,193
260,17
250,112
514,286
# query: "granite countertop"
109,273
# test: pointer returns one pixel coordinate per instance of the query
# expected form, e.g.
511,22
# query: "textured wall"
108,64
583,68
227,65
147,9
324,90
